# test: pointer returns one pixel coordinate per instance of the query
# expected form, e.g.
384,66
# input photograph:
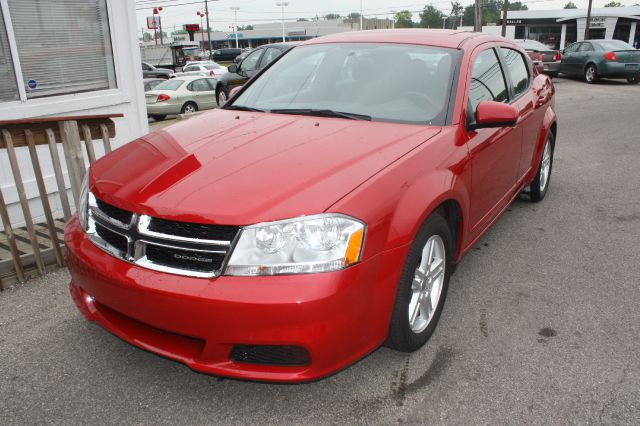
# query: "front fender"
550,119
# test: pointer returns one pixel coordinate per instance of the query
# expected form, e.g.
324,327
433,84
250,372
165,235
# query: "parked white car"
204,69
181,95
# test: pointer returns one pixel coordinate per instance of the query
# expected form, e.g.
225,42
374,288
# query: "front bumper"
337,317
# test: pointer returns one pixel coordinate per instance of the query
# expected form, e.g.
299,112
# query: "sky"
178,12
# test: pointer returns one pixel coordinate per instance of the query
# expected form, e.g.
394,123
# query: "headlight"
320,243
83,204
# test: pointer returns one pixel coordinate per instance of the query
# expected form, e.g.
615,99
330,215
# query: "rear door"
520,79
203,92
494,153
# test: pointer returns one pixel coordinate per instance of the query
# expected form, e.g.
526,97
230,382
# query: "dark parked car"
250,65
593,59
550,58
225,54
149,71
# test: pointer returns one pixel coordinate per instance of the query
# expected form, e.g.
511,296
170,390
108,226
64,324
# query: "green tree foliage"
430,17
330,16
613,4
570,5
404,19
517,5
457,10
354,16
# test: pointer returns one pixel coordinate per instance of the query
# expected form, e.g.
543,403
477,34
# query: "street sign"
153,22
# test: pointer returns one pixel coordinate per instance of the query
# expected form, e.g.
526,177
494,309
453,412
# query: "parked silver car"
181,95
204,69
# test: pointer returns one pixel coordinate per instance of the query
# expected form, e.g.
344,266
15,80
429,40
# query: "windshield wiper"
322,113
242,108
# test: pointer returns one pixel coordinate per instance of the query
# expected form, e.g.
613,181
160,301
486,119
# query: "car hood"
231,167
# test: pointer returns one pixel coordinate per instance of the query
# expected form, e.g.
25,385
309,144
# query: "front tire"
540,184
423,287
591,74
221,97
189,107
634,80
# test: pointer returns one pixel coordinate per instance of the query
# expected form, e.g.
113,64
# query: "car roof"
427,37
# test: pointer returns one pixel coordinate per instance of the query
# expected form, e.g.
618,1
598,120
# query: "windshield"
169,85
615,45
386,82
533,45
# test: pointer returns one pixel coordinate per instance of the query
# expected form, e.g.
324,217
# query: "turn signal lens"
162,98
610,56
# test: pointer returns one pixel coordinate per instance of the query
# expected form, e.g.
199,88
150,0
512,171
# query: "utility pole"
282,4
505,8
235,22
361,28
393,19
586,28
444,22
478,16
206,12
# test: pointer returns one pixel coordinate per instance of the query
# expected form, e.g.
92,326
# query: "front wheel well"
451,212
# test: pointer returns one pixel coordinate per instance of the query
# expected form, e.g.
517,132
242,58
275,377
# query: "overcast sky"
178,12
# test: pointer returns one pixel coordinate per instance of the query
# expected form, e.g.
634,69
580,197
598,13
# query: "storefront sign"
297,32
597,21
233,35
32,84
514,21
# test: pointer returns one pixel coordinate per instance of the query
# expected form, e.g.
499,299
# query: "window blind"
64,45
8,84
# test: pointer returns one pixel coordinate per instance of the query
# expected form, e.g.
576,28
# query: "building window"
8,83
64,46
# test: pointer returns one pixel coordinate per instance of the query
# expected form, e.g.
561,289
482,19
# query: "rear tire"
423,286
591,74
634,80
540,184
189,107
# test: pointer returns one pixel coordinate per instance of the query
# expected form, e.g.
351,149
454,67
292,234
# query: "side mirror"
232,68
491,114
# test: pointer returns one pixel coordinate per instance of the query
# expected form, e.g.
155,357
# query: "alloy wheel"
426,287
189,108
222,98
545,166
590,74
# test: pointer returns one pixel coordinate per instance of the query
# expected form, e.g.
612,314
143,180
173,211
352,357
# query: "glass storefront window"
8,83
549,35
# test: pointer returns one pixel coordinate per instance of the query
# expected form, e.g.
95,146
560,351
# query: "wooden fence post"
73,154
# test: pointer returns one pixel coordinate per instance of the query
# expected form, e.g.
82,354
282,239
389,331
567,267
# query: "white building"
68,58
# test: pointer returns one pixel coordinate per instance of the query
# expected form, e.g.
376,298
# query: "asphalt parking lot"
541,325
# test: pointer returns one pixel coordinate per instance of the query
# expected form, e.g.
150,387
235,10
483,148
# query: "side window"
518,70
487,82
190,68
269,56
145,67
250,63
199,85
586,47
572,48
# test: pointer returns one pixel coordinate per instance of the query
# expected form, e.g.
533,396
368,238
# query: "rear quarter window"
518,70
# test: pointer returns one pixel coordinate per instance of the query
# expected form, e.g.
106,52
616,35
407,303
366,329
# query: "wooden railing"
72,133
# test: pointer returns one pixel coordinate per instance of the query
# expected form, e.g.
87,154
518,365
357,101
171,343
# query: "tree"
570,5
468,16
457,10
147,36
404,19
331,16
245,27
353,16
302,20
430,17
613,4
517,5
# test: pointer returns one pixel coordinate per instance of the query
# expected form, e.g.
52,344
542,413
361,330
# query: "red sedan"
320,213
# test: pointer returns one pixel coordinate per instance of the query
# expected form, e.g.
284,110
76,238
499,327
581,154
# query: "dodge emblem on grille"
194,258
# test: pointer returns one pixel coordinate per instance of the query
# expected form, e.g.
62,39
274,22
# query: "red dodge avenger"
321,212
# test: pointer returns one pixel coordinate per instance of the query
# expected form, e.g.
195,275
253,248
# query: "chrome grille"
191,249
